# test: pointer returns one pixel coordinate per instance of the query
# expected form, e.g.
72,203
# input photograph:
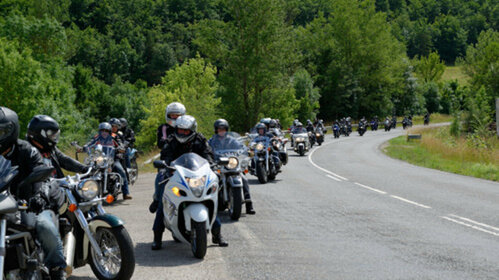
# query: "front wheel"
118,258
134,172
236,203
198,239
261,173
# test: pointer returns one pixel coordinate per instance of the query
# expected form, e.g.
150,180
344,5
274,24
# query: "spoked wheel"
236,203
134,172
118,258
198,239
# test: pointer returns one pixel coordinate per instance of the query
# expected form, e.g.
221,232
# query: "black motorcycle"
426,120
362,128
265,164
406,123
374,125
319,135
394,123
336,130
388,125
21,254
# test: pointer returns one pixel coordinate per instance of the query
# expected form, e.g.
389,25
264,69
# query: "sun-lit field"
437,149
455,73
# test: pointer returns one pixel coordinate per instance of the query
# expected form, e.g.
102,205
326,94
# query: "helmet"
124,122
9,128
309,122
105,126
261,126
43,130
265,121
221,123
273,123
296,121
299,124
115,121
321,121
174,108
185,122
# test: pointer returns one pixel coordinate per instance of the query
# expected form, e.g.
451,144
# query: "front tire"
261,173
236,203
118,261
198,239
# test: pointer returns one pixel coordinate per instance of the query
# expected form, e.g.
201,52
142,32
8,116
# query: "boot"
154,206
217,238
158,237
249,208
57,274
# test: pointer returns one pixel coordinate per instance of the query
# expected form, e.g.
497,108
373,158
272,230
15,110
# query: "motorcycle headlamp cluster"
317,135
100,160
88,189
196,185
259,147
233,163
299,139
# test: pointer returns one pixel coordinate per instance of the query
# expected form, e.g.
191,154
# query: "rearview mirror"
223,161
160,164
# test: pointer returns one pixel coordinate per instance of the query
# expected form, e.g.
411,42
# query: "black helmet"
115,121
273,124
124,123
43,131
9,128
105,126
186,122
260,126
221,123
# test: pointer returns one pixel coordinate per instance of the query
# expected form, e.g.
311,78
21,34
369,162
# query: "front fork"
82,220
3,232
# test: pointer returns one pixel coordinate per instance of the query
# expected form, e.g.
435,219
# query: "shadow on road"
81,278
172,254
255,183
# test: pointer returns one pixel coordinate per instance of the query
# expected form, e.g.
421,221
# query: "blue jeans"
49,237
119,168
127,158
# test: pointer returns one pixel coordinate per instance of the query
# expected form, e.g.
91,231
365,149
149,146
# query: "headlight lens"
100,160
88,189
259,146
196,185
233,163
300,139
317,135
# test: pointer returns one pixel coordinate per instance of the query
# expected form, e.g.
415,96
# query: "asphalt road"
343,211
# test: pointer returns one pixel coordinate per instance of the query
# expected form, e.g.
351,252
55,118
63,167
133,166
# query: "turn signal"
176,191
72,207
109,199
246,171
268,149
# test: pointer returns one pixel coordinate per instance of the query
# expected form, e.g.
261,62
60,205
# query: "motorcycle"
374,125
301,141
394,123
319,135
21,254
344,129
388,125
406,123
426,120
89,234
362,128
190,199
311,138
231,175
101,159
336,130
264,164
133,171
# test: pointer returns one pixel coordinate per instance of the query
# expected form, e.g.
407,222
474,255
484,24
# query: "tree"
193,84
450,38
430,68
307,95
254,52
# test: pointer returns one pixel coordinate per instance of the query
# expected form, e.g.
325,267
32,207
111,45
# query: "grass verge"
438,150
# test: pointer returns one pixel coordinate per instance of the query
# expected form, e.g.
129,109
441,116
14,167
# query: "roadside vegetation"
439,150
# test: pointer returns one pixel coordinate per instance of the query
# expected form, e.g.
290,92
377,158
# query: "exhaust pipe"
69,251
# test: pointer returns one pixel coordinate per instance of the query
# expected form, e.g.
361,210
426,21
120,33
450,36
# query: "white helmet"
185,122
174,108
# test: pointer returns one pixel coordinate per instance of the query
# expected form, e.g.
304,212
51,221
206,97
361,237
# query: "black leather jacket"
61,161
162,136
173,149
26,158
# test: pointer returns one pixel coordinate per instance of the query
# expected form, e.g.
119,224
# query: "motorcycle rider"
172,112
106,138
186,140
128,139
221,128
310,126
27,158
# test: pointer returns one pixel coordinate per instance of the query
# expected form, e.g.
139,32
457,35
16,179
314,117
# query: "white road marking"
369,188
410,201
475,222
151,159
334,178
320,168
471,226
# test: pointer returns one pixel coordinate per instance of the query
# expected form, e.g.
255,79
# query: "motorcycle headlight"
196,185
233,163
259,147
317,135
100,160
300,139
88,189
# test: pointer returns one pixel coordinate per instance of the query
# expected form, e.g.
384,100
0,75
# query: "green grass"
455,73
440,151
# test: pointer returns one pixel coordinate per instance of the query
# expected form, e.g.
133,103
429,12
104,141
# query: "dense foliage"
84,61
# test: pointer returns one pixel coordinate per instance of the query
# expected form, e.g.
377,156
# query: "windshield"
7,172
298,130
230,144
190,161
109,151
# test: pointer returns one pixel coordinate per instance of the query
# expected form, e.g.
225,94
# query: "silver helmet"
186,122
174,108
